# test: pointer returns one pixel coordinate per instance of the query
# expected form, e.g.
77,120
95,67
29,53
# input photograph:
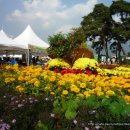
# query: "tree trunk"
116,52
106,49
119,51
99,52
123,51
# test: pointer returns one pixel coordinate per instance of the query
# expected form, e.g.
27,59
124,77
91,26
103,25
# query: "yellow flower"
110,92
21,78
52,93
83,63
57,62
61,82
129,90
126,85
80,95
20,89
37,83
65,92
7,80
18,86
127,98
8,67
99,93
52,78
27,78
82,85
87,94
74,88
15,65
33,80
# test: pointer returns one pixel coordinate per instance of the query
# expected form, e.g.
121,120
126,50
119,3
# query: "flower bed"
79,99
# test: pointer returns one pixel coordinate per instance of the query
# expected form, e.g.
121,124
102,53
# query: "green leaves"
69,114
92,102
119,107
61,44
41,126
115,108
66,107
126,110
106,102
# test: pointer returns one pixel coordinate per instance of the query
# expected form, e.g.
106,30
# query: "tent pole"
6,53
28,57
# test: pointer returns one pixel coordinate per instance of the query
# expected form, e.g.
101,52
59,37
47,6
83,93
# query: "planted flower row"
106,90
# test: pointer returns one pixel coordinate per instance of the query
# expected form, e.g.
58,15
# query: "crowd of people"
34,61
39,60
12,61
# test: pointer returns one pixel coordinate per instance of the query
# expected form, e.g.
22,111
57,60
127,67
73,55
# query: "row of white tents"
25,43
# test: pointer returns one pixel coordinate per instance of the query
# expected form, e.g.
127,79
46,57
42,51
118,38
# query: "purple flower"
86,128
4,126
20,105
31,101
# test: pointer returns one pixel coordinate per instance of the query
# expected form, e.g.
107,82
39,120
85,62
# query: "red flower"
56,70
79,71
64,71
88,72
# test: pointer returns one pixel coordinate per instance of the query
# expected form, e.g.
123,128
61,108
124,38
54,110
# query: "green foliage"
36,115
41,126
62,44
22,112
69,114
68,107
92,102
113,108
97,24
122,7
100,27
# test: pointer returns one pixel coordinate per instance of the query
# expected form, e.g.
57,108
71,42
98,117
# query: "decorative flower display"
71,87
57,63
86,64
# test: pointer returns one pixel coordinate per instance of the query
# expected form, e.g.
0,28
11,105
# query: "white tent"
28,38
7,43
27,42
31,42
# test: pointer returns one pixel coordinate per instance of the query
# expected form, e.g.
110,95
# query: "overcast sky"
46,17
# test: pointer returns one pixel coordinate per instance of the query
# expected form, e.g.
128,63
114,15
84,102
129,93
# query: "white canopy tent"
25,43
7,43
31,42
29,38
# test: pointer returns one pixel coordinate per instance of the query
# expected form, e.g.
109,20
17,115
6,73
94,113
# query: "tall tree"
121,29
97,27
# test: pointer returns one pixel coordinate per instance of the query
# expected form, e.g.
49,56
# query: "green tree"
121,29
97,27
63,44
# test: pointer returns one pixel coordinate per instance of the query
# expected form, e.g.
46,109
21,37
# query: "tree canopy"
104,31
63,44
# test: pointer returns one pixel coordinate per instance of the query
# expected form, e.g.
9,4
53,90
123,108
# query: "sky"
46,17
